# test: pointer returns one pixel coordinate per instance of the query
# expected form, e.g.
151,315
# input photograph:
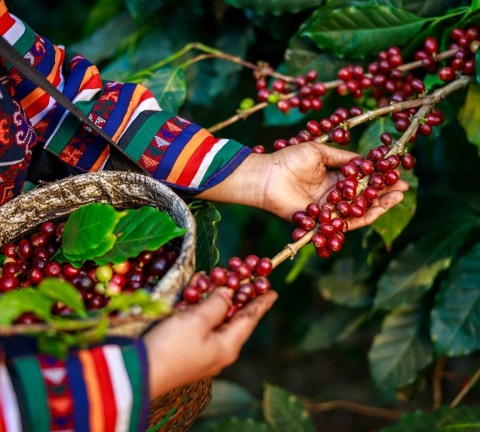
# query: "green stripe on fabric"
143,136
67,129
26,41
134,371
222,158
35,393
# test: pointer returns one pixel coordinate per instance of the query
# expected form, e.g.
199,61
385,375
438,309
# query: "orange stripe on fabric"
195,161
137,97
109,403
101,159
94,392
3,7
91,79
186,154
37,94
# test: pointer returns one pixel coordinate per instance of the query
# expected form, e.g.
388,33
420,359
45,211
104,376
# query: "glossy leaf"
469,116
370,138
413,271
89,231
359,31
15,303
64,292
402,348
169,87
455,318
146,228
424,8
206,218
283,411
275,7
444,419
345,283
477,65
334,326
392,223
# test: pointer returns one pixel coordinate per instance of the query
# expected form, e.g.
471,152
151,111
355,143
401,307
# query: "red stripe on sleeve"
195,161
6,22
108,396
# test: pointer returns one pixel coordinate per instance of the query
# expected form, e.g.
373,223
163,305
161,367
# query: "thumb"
214,309
334,157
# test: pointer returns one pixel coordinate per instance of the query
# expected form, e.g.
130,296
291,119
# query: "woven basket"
178,409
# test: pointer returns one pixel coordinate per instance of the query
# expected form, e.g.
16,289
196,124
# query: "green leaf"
15,303
64,292
455,318
444,419
89,231
301,259
228,398
469,115
206,218
402,348
103,43
275,7
413,271
371,136
346,283
283,411
334,326
392,223
169,87
146,228
138,298
358,31
239,425
101,12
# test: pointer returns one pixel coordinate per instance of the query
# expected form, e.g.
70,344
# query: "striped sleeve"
172,149
101,389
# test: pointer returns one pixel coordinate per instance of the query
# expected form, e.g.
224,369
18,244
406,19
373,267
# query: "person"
108,386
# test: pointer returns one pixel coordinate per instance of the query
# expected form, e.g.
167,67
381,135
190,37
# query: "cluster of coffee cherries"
247,277
31,259
465,42
304,92
349,199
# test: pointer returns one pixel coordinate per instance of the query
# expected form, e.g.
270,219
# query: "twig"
437,378
428,102
471,382
328,85
367,410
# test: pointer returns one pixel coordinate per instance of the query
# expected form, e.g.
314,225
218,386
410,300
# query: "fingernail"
227,293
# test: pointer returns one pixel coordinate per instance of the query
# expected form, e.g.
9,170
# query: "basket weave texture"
179,408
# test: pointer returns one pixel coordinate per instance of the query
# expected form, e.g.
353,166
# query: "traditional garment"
102,388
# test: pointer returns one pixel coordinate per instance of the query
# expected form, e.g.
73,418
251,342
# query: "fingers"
242,324
384,203
334,157
213,310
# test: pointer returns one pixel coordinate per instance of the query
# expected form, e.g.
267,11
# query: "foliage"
413,276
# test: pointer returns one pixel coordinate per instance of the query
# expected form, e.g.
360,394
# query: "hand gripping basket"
179,408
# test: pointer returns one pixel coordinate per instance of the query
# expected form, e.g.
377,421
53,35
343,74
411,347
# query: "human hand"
291,178
198,343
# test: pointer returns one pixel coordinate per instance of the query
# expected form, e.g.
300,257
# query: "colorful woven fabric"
172,149
101,389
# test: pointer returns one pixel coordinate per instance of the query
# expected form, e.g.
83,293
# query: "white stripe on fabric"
14,33
207,160
149,104
8,402
51,102
122,387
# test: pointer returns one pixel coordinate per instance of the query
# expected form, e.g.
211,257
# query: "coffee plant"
395,81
